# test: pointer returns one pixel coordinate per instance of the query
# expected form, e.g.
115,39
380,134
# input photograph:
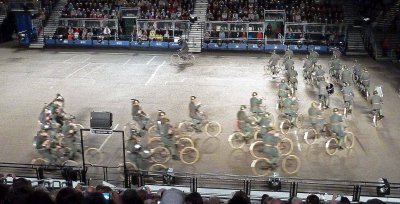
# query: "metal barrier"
252,185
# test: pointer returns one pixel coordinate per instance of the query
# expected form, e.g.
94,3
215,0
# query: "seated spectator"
312,199
193,198
131,196
172,196
94,198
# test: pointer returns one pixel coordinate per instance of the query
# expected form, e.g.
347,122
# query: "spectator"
95,198
312,199
131,196
172,196
214,200
239,198
294,200
40,197
194,198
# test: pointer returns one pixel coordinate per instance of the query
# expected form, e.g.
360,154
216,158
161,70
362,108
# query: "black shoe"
174,157
380,117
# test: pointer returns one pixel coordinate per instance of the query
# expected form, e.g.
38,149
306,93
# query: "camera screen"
106,196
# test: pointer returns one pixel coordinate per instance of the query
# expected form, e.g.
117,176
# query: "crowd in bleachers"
22,192
323,11
2,7
163,10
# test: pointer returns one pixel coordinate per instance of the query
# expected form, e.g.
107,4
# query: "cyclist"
284,90
348,95
139,156
377,102
292,77
288,54
165,130
323,92
244,122
320,73
315,115
69,130
336,121
288,109
271,139
314,56
365,79
138,115
289,63
346,75
273,61
335,66
184,51
356,71
195,113
309,68
255,103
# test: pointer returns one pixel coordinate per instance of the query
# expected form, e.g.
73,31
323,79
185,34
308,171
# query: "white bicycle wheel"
175,59
189,155
331,146
311,136
236,140
93,156
285,146
291,164
285,126
349,140
186,128
261,167
213,128
160,155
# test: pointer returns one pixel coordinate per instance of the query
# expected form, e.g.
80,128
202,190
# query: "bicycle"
263,166
178,59
61,159
311,136
238,139
212,128
347,109
285,124
272,71
375,117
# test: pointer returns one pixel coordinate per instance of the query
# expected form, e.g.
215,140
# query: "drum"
330,89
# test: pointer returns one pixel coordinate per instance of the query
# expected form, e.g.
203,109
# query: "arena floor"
106,80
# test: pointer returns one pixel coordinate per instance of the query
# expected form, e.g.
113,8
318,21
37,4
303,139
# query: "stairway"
197,28
385,20
355,44
51,25
350,12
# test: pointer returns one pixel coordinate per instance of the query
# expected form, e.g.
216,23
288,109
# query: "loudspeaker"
100,120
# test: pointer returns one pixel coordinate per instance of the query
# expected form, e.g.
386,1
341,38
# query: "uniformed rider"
195,113
255,103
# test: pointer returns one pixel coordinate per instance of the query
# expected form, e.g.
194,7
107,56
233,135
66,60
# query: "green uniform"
323,92
70,138
376,102
255,105
283,90
337,127
271,150
314,57
163,129
320,74
273,61
348,95
244,123
288,109
315,118
288,64
292,77
347,76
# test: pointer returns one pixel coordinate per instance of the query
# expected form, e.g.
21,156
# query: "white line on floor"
69,75
69,59
101,66
180,81
151,60
106,140
154,73
85,60
127,61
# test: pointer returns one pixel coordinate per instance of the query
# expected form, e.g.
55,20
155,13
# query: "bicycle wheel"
285,146
262,167
291,164
271,117
175,59
39,162
183,142
375,120
256,135
285,126
254,120
158,168
130,167
154,142
213,128
311,136
189,155
331,146
299,121
160,155
152,131
191,59
349,140
236,140
70,163
186,128
257,149
93,156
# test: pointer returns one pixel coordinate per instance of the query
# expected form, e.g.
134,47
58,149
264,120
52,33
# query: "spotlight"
384,188
274,183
